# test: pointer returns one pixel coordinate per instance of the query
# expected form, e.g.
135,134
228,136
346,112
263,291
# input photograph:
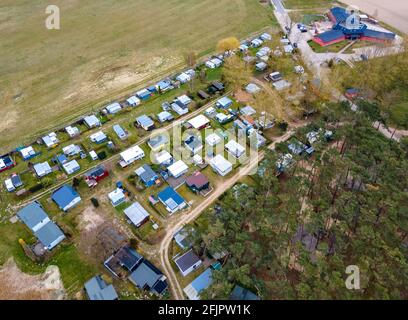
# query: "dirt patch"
90,219
16,285
243,96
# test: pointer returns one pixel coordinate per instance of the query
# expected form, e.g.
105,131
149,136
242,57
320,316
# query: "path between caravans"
176,290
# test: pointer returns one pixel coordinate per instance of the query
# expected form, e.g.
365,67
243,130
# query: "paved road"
279,6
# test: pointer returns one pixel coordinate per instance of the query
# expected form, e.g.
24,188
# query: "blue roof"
32,214
62,158
331,35
97,289
119,131
163,84
379,35
340,14
171,198
146,173
49,234
203,281
64,196
240,293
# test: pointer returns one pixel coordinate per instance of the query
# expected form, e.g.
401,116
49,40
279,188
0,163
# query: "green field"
104,49
306,4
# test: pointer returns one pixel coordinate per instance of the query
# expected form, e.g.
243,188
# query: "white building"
50,140
177,169
213,139
71,150
72,131
163,157
42,169
113,108
131,155
117,197
27,153
199,122
235,149
9,185
92,121
71,167
93,155
137,214
187,262
220,165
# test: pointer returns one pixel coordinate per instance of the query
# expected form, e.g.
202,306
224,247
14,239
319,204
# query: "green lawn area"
336,47
306,4
56,76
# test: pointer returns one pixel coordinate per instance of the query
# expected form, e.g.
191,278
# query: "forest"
293,236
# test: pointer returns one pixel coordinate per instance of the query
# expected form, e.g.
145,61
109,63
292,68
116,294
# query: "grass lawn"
336,47
104,49
306,4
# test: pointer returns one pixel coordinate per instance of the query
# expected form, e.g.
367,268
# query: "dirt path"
17,285
176,290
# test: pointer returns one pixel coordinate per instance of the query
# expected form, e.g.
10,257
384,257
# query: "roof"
170,198
113,107
119,131
32,215
177,168
92,121
197,179
220,163
224,102
116,195
133,100
193,142
27,152
146,173
49,234
252,88
145,121
131,153
146,274
203,281
164,116
379,34
126,257
163,157
71,167
96,172
42,168
64,196
239,293
330,35
98,136
97,289
213,139
184,99
340,14
187,260
182,238
199,121
158,140
247,111
136,213
235,148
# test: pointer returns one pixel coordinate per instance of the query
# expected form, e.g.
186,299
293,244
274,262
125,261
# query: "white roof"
177,168
71,166
213,139
252,88
281,85
199,121
183,77
221,116
133,100
42,168
210,110
113,107
92,121
72,149
27,152
116,195
220,163
163,157
132,153
2,164
184,99
72,131
97,136
93,154
136,213
198,159
235,148
9,185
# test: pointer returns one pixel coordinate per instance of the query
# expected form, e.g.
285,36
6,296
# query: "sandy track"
176,290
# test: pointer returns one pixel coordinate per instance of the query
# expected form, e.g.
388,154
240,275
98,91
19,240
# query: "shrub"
95,202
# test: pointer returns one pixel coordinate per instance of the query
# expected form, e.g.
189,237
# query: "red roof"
197,179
